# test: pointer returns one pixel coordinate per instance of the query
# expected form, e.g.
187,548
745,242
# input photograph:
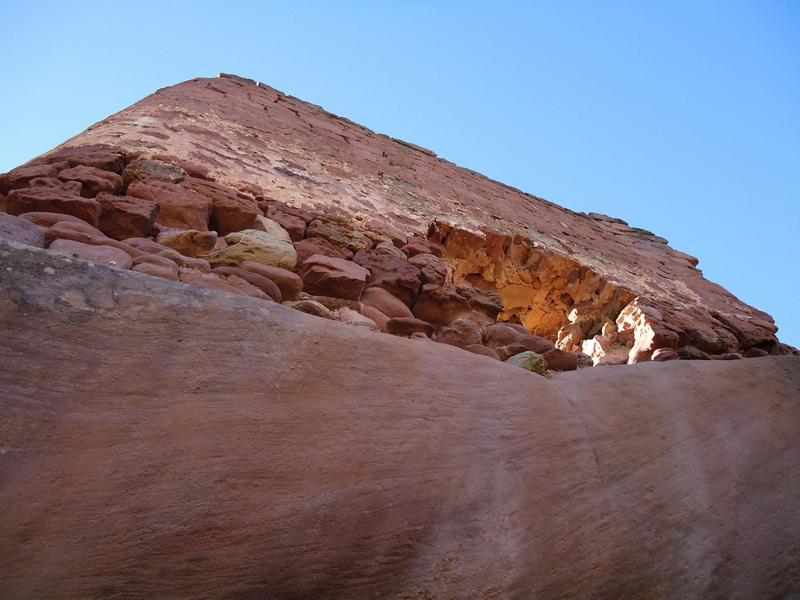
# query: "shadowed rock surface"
164,440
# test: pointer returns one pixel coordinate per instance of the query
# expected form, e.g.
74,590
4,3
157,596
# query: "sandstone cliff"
172,423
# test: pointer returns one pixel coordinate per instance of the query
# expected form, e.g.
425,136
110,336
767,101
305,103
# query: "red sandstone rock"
22,176
482,301
271,209
151,247
692,353
73,187
461,332
558,360
123,217
551,280
394,274
198,264
422,247
784,350
93,180
146,245
222,283
397,237
507,351
574,476
310,307
164,272
374,315
57,200
289,283
331,303
645,324
263,283
352,317
86,234
48,219
384,301
100,156
502,334
408,325
322,246
230,211
664,354
433,269
387,248
577,257
338,235
335,277
755,353
180,208
21,230
482,350
440,304
288,219
141,169
155,259
107,255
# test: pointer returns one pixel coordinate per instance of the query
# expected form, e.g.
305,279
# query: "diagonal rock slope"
159,439
561,274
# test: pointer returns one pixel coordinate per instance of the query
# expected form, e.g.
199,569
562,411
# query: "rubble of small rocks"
450,286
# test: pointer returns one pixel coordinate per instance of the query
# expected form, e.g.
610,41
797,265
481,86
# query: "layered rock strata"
280,181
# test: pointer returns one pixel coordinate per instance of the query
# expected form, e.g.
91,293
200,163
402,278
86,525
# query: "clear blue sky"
679,117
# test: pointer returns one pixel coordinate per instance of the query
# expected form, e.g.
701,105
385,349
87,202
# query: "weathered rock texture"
168,429
551,266
163,440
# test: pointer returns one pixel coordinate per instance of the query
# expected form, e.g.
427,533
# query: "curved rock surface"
159,439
